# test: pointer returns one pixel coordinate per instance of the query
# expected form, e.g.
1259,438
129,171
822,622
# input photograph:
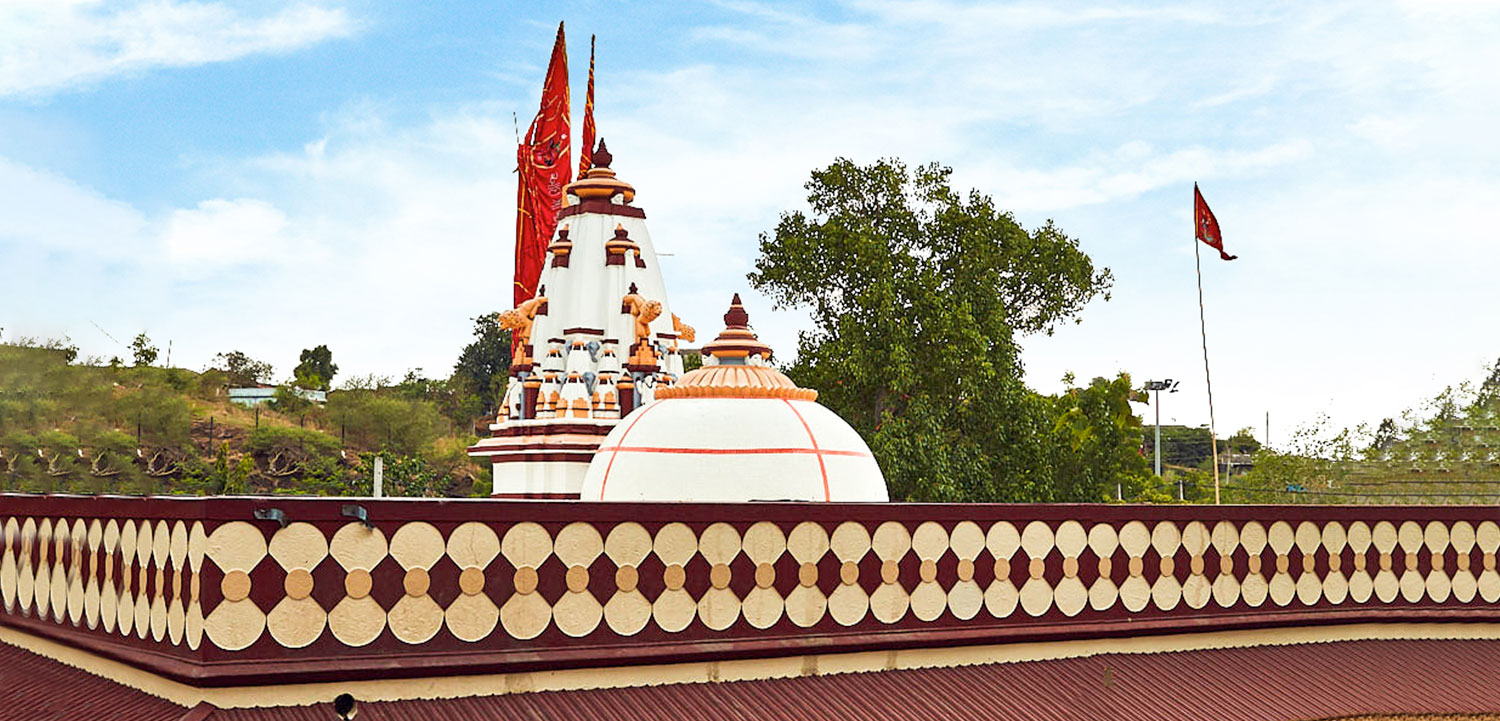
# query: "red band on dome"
735,451
638,416
821,466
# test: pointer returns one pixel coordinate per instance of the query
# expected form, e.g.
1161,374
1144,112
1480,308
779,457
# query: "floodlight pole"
1157,445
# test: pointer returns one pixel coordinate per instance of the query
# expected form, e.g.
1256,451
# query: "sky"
267,176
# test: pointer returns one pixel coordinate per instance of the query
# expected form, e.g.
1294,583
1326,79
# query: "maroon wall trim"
328,659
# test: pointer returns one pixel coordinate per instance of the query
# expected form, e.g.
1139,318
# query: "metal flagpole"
1208,379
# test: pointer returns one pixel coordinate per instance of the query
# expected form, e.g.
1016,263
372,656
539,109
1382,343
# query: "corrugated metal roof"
1270,683
35,688
1367,679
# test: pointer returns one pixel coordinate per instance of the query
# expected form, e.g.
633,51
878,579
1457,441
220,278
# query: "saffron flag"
586,155
1207,225
545,165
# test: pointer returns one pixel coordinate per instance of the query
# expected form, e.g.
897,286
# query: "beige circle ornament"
1070,595
1361,584
1309,538
1462,538
890,543
1437,538
1225,539
1411,539
1487,538
236,548
807,544
718,607
297,620
627,611
929,542
1135,592
578,612
764,545
526,614
674,609
357,619
416,617
1103,541
965,598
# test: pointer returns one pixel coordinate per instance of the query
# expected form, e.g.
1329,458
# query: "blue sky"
267,176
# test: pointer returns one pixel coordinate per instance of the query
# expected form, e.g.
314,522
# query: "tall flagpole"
1208,378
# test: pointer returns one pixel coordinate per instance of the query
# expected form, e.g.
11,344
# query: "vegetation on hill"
1447,451
96,427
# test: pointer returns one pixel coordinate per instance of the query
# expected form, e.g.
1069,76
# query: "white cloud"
54,213
226,232
51,45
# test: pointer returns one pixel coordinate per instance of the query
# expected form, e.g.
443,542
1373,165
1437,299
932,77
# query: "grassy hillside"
68,427
1445,452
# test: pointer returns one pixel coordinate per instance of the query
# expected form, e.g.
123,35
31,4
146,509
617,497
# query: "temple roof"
735,367
1385,679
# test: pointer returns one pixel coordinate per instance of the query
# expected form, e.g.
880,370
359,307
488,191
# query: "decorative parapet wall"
201,591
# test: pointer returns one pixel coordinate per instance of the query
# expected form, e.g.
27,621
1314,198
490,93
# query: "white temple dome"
734,430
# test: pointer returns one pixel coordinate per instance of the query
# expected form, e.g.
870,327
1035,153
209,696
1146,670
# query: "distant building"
257,395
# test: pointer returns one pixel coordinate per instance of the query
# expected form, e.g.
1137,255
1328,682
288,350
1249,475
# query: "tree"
916,293
316,369
144,352
1096,440
484,365
1243,441
242,370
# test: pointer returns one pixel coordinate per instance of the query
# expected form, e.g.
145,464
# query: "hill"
1448,451
92,428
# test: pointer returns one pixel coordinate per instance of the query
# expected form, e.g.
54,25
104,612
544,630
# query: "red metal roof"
1271,683
35,688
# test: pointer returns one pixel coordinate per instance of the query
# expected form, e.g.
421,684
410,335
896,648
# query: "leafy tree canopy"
916,292
142,350
1096,438
316,368
484,364
240,369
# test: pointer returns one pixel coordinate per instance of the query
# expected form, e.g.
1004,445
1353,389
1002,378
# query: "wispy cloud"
52,45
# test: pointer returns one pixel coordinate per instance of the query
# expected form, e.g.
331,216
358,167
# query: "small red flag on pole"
586,154
1208,225
1206,231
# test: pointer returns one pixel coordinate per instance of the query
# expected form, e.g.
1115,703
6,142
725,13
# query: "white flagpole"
1203,330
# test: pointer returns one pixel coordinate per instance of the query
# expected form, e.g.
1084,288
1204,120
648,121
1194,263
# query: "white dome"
722,449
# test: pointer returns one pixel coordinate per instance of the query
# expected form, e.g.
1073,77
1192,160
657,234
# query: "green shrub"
404,426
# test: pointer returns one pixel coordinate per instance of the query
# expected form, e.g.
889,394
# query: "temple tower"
595,343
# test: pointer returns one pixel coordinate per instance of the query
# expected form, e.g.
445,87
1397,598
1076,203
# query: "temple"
597,342
717,544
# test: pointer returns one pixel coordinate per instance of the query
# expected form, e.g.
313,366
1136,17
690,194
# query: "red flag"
586,155
545,166
1208,225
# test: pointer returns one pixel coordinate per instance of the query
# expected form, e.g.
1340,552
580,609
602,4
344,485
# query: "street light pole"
1157,387
1157,445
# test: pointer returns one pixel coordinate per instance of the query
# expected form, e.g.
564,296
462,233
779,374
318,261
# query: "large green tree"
484,364
315,368
240,369
917,293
